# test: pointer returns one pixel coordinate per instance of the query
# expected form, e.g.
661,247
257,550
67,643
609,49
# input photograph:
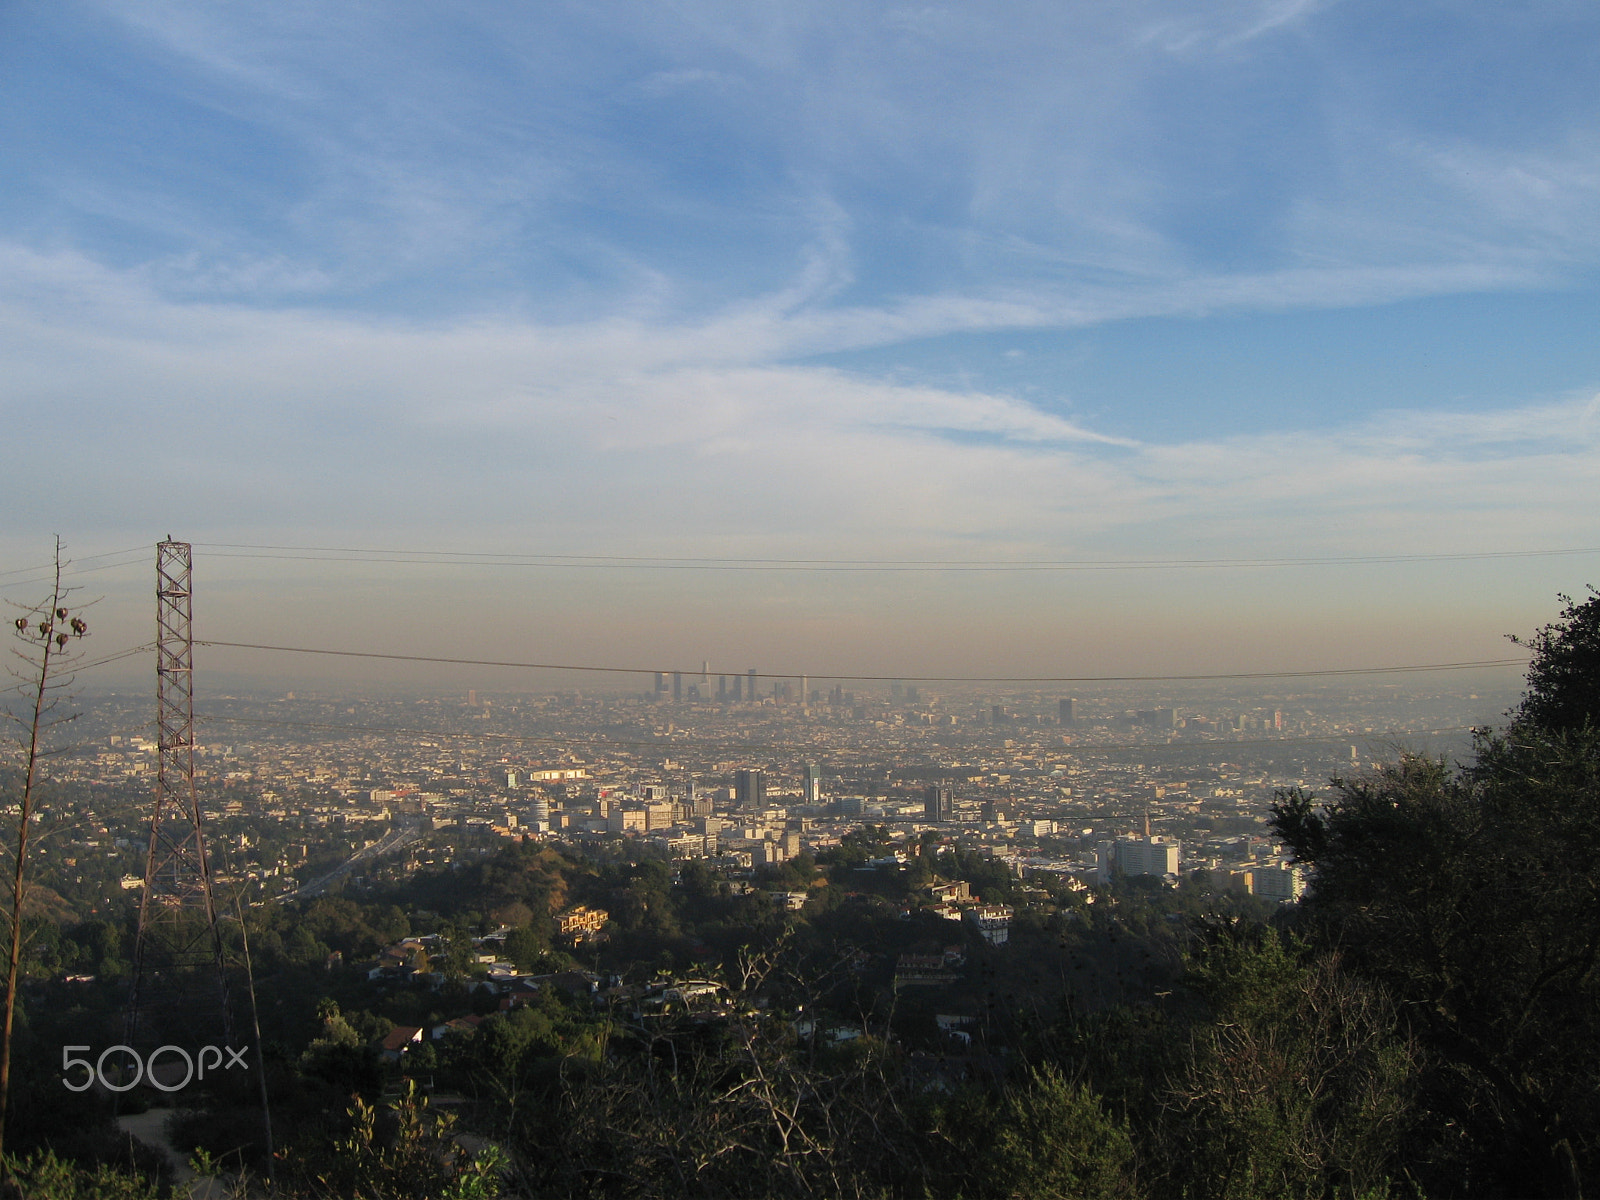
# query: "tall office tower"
811,784
897,692
738,686
752,686
997,715
661,684
722,689
705,672
938,804
1067,711
540,814
805,689
677,686
750,788
912,695
698,803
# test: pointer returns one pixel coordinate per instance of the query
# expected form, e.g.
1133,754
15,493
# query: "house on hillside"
399,1041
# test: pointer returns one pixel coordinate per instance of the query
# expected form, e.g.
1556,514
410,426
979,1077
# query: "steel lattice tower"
179,975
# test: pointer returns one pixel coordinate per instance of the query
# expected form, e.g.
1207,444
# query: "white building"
1139,856
993,922
1283,883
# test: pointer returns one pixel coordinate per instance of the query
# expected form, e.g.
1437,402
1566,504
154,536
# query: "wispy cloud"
345,413
1226,27
692,161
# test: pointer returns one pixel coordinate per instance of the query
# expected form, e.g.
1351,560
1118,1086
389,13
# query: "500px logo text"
126,1073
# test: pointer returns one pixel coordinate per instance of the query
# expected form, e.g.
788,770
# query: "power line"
691,563
76,669
1481,664
117,657
73,567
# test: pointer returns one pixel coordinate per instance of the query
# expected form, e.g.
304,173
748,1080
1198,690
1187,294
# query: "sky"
1039,285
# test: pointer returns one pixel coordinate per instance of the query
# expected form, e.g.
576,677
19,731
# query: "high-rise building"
1067,711
750,788
811,784
938,804
722,689
738,686
997,715
677,686
751,686
661,684
697,802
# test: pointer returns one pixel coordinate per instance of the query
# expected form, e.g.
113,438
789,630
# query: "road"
400,835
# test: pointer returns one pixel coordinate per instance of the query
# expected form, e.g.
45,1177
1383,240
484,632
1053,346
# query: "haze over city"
896,291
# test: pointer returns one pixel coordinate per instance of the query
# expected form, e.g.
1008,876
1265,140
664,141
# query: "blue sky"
824,280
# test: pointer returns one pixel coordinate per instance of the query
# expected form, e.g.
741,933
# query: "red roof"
401,1036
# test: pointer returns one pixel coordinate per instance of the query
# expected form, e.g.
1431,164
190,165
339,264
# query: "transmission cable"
1480,664
739,563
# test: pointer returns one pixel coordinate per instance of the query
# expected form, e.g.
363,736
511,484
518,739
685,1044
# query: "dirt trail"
150,1127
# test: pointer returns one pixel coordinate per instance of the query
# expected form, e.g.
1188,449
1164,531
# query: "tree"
1054,1139
1473,897
459,956
44,634
1564,676
526,947
1300,1083
412,1155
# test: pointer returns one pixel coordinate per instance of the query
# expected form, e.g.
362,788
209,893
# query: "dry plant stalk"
45,634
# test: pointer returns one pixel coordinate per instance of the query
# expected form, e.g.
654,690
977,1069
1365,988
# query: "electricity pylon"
180,984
